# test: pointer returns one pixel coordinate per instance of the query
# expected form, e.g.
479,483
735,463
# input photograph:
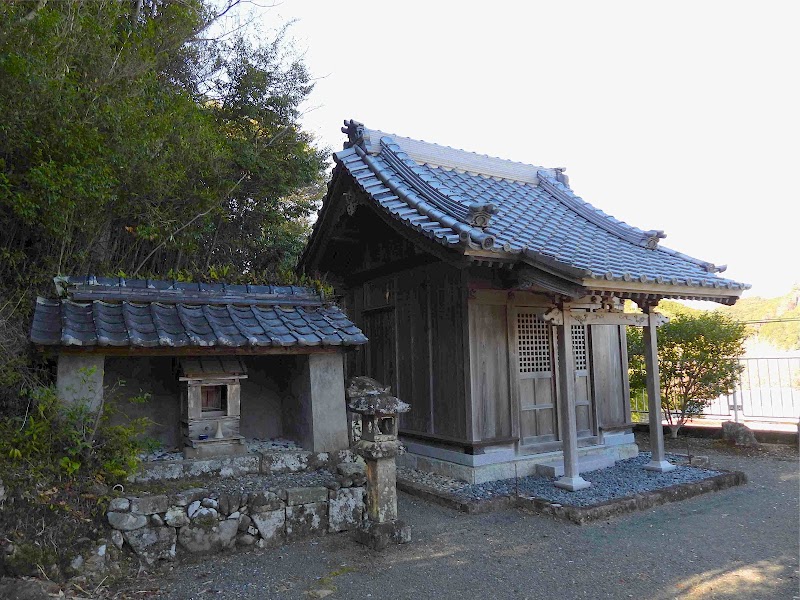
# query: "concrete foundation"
506,464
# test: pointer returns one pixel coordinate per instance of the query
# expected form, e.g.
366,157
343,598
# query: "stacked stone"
266,463
201,521
349,475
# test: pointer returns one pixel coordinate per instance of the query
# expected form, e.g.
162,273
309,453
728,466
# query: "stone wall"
265,463
161,527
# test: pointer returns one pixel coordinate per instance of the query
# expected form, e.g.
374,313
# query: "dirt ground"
739,543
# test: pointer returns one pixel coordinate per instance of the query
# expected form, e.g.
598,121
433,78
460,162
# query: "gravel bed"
254,445
257,483
626,478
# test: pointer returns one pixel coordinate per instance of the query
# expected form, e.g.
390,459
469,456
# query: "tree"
698,359
135,142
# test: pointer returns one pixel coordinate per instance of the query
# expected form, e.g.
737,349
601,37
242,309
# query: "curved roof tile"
433,187
209,316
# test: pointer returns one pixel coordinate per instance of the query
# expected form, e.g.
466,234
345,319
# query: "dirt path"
740,543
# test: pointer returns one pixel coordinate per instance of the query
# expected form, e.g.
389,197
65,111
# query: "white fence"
768,390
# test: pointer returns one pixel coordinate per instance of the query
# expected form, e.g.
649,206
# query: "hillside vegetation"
784,335
134,143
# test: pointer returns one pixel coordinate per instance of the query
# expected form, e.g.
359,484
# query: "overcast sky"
681,115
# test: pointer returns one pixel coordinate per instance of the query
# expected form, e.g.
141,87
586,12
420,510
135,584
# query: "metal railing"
768,390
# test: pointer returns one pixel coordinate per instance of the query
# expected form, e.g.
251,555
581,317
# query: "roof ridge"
448,157
571,200
440,194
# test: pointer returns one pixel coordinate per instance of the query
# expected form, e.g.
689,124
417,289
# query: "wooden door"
535,374
584,407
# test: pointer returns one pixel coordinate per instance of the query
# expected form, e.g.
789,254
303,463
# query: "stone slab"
126,521
305,495
304,520
345,509
271,526
278,463
149,505
206,538
264,501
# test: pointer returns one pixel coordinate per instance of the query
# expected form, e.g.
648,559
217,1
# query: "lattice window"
533,344
579,346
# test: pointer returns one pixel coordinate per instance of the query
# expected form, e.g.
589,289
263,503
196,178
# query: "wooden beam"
572,479
556,317
658,461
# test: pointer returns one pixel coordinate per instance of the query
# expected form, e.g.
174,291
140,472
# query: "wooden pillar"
571,479
658,462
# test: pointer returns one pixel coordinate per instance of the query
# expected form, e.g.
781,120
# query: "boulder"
186,497
205,515
739,434
200,538
350,469
271,525
126,521
152,543
229,503
264,501
193,508
244,522
119,505
117,539
176,517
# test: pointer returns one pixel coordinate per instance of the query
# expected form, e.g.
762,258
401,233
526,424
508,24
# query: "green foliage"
132,142
57,441
698,361
783,335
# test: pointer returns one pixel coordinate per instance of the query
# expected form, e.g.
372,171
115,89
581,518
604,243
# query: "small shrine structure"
493,297
220,363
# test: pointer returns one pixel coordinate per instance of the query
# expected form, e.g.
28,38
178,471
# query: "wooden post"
658,461
571,479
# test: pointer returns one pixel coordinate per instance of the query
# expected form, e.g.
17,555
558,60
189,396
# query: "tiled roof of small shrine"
149,314
458,198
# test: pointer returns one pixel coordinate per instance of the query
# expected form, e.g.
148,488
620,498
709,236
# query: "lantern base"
377,536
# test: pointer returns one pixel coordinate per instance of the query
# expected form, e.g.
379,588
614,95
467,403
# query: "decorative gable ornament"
351,203
355,133
650,238
480,214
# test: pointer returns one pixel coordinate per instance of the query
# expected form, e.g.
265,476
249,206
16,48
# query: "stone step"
555,468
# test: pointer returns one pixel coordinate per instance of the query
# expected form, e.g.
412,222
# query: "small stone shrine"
379,446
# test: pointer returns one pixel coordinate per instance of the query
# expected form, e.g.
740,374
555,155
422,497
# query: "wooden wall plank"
607,375
491,399
447,357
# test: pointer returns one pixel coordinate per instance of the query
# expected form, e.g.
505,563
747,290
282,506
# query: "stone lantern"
379,446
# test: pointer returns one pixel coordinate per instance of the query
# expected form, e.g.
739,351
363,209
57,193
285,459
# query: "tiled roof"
532,213
148,314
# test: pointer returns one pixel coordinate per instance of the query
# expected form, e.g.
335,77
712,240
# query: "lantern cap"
367,396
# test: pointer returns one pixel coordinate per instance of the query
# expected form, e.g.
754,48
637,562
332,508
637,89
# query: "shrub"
57,441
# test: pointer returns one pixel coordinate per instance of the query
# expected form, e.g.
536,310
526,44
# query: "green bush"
57,441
